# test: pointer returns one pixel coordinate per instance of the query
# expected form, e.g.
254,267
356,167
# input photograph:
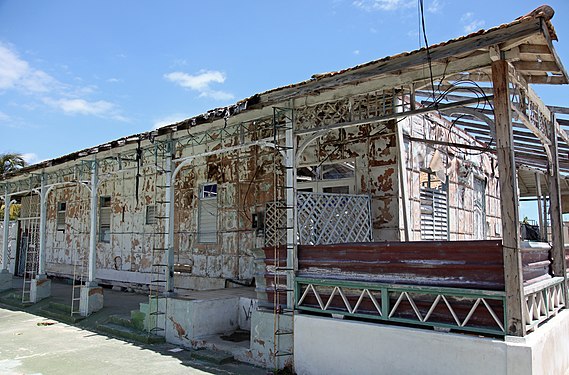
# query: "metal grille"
434,221
333,218
275,223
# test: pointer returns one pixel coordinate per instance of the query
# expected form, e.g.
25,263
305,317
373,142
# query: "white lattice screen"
323,218
333,218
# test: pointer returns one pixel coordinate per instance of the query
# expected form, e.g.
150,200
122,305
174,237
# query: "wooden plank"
464,264
513,275
536,67
536,49
560,110
545,79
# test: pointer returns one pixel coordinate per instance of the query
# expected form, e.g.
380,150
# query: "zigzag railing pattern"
479,311
543,300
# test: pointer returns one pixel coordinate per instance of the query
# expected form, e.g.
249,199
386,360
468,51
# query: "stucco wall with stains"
246,180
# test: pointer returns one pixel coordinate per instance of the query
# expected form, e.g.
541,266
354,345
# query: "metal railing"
479,311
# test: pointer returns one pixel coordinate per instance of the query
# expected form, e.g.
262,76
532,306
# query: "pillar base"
5,280
40,288
91,299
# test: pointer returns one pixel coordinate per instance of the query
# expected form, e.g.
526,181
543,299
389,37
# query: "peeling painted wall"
462,167
246,180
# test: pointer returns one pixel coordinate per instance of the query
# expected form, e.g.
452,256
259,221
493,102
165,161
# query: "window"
60,221
337,178
207,215
105,219
434,222
150,215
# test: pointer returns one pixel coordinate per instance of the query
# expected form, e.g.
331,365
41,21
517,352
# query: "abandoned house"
376,206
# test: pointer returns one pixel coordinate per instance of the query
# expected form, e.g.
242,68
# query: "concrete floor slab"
30,344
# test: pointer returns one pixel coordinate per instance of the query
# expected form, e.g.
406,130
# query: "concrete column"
93,234
291,232
5,242
41,286
91,297
169,223
5,276
43,219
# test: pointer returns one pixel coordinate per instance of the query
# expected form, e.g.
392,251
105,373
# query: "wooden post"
557,242
539,209
508,201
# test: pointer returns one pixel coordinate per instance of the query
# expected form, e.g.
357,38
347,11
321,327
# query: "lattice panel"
275,223
401,304
323,114
333,218
544,303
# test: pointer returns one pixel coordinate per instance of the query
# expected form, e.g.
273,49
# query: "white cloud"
4,117
374,5
114,80
16,73
356,52
434,6
201,83
169,120
100,108
471,24
31,158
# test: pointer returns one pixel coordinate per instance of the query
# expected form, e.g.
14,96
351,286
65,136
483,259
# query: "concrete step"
59,315
13,298
59,306
121,321
137,318
129,333
213,356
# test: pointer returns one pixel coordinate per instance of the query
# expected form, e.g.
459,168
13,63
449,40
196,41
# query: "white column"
93,236
43,219
169,224
6,241
290,184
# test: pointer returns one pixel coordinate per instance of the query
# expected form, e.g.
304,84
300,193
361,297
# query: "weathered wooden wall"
462,167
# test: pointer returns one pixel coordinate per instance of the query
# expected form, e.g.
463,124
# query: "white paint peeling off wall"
462,167
245,182
11,244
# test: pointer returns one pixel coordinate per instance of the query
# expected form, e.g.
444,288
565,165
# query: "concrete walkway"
31,344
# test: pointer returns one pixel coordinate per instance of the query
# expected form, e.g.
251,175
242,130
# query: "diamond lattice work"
275,223
333,218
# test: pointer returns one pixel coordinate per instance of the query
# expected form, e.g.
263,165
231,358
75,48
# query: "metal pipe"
93,234
6,241
43,219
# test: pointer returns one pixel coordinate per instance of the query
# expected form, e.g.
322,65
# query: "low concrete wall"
189,320
333,346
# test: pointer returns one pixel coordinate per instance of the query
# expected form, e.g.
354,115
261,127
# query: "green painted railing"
409,304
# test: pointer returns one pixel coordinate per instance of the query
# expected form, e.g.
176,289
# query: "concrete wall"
187,321
332,346
11,245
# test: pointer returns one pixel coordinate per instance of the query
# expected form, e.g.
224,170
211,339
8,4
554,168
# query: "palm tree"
11,162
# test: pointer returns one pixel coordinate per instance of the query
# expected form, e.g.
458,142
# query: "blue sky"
75,74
